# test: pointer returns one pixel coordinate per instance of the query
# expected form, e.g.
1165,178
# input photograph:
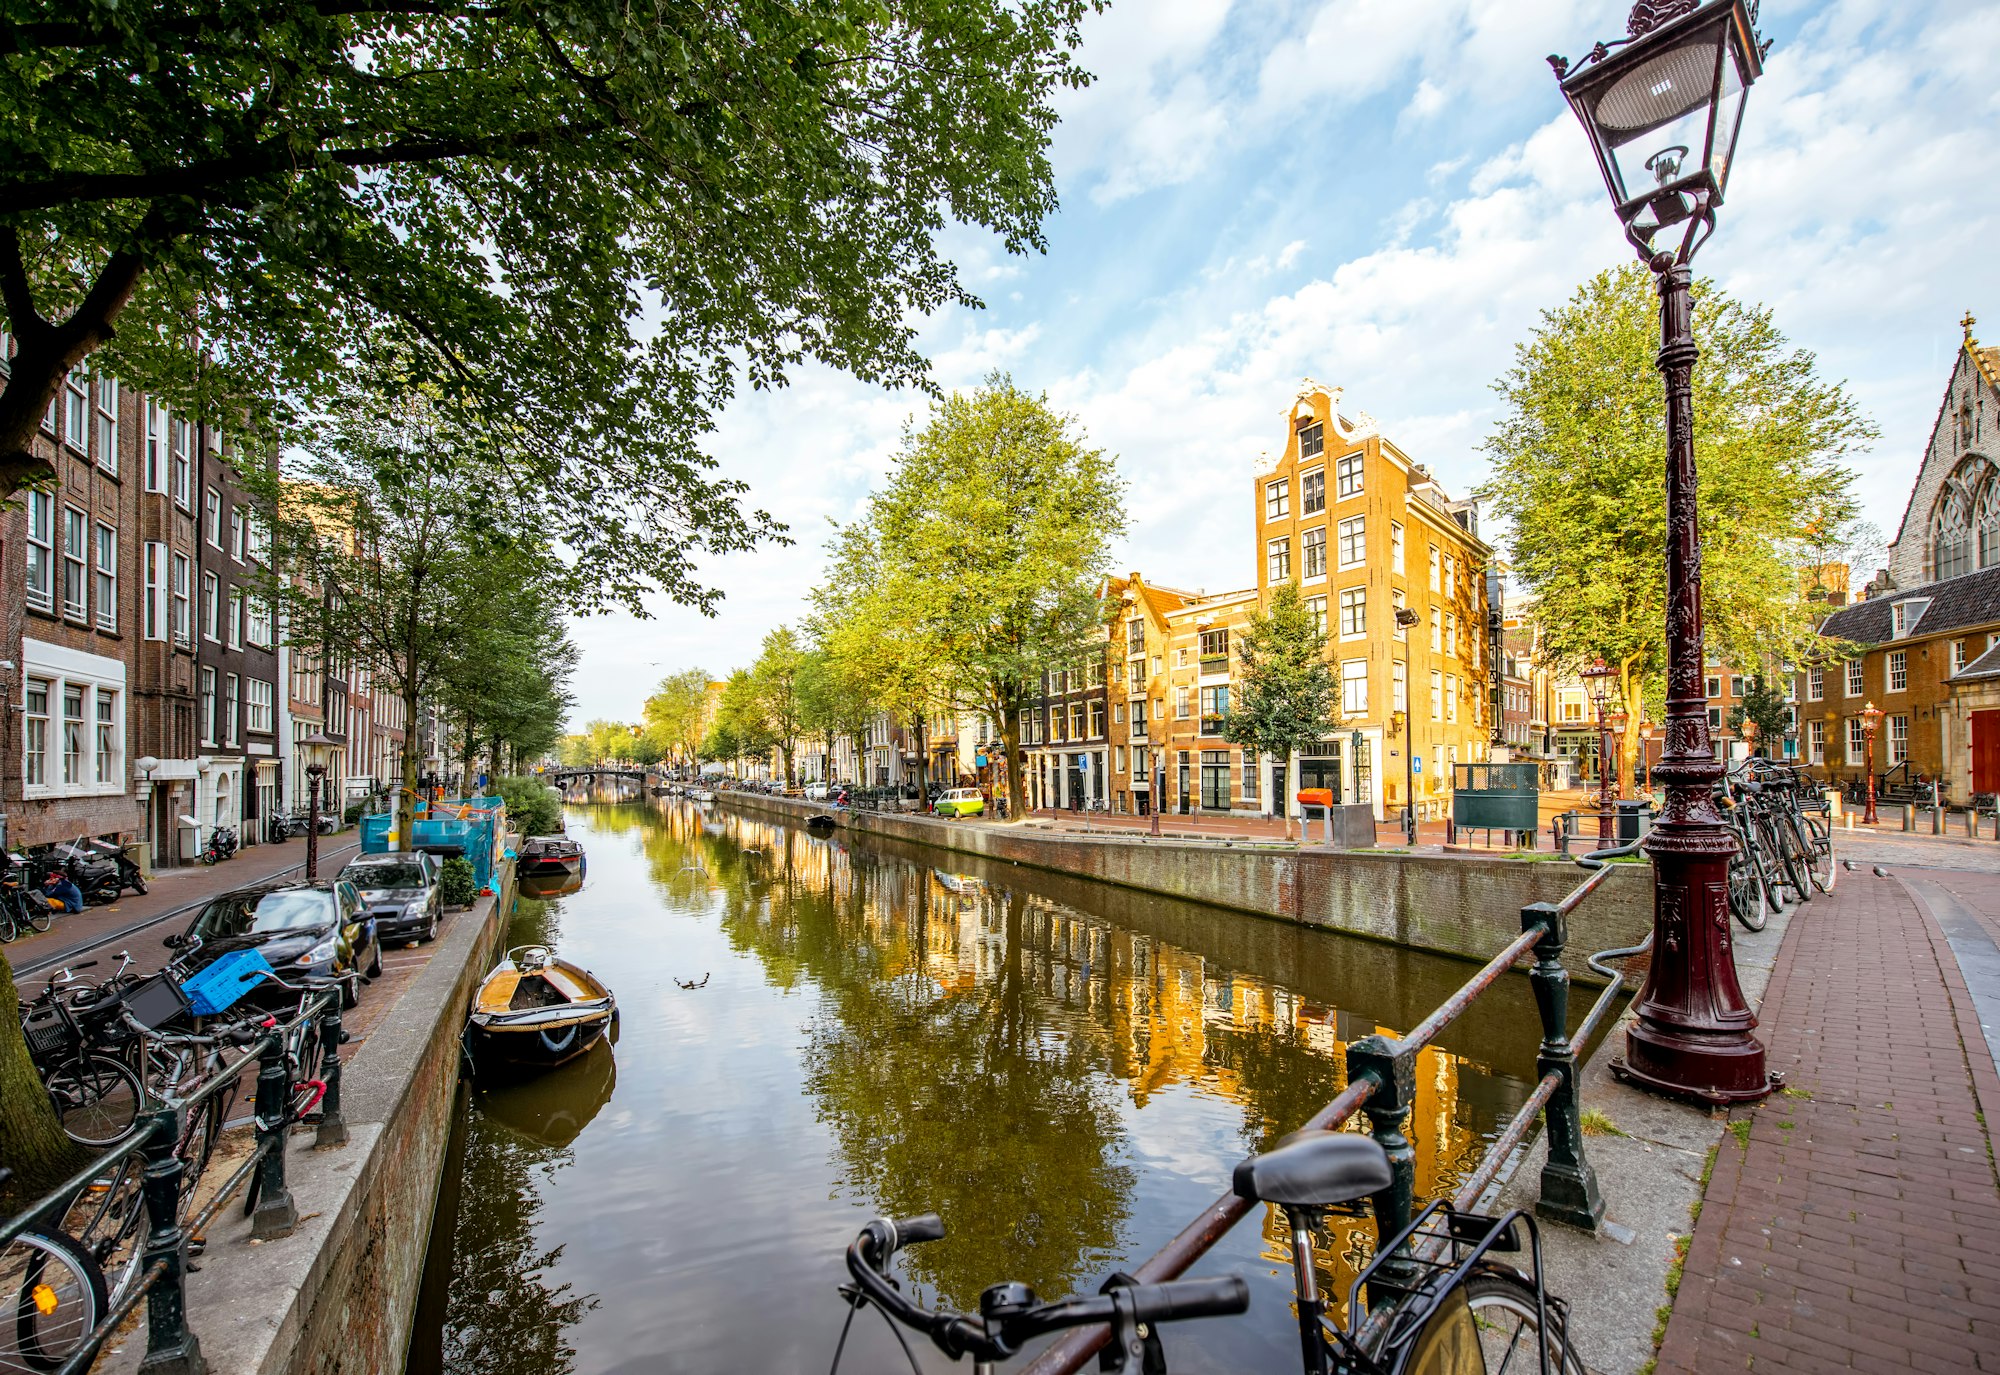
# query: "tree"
1285,699
676,712
1764,704
775,681
1577,462
979,564
587,218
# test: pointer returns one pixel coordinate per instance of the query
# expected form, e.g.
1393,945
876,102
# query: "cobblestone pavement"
1857,1223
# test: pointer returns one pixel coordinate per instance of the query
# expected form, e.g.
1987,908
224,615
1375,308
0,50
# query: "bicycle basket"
48,1035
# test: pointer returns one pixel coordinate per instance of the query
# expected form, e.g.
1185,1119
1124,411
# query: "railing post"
332,1126
171,1349
1394,1070
1569,1185
274,1215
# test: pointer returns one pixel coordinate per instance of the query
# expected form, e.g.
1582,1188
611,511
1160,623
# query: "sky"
1382,195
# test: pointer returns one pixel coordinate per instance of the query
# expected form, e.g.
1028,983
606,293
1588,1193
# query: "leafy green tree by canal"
978,566
1288,692
1577,458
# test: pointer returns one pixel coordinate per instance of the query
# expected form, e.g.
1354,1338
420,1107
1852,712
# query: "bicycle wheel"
97,1100
1497,1313
56,1295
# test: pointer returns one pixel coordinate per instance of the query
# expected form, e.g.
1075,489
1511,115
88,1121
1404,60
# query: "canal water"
1066,1072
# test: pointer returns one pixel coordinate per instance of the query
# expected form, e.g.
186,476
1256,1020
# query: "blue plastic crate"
220,984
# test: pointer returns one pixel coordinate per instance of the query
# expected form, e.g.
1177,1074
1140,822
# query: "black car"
302,929
400,892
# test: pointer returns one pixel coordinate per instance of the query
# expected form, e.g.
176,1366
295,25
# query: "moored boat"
535,1011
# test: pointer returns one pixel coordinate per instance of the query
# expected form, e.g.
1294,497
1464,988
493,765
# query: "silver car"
400,891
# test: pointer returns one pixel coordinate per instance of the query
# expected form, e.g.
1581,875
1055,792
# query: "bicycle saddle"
1314,1169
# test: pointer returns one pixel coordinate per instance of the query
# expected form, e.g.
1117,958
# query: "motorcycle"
221,845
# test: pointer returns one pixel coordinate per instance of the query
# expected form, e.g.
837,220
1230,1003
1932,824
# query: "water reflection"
1065,1072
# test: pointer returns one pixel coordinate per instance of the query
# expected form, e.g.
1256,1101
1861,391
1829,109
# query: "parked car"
401,892
960,802
302,929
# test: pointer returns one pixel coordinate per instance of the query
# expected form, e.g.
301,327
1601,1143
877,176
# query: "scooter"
221,845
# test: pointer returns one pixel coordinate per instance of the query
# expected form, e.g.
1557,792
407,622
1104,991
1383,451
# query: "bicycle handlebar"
1011,1315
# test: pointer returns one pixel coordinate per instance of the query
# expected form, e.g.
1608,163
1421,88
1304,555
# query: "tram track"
43,962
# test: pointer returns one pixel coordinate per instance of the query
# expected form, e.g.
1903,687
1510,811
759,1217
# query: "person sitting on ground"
62,894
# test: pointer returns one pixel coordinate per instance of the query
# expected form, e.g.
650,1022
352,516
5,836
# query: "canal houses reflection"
983,1046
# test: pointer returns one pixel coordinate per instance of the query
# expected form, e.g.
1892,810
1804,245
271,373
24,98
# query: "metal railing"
1381,1082
160,1278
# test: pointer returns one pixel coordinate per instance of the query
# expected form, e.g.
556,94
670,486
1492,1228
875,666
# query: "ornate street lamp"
318,749
1662,108
1871,720
1597,683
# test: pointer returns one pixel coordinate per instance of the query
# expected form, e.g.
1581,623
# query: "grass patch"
1596,1123
1741,1131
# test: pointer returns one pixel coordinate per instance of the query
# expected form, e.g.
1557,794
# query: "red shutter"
1986,751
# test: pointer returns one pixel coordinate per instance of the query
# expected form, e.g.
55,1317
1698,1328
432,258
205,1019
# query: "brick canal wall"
338,1296
1467,906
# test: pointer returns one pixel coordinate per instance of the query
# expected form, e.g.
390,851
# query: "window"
72,735
1353,613
1353,542
231,693
239,527
236,618
1215,780
1853,677
1354,687
1097,720
181,462
41,550
212,517
1437,631
1312,492
75,403
1437,570
1347,476
76,563
183,604
156,447
1815,684
1899,671
1278,560
1437,695
1899,740
153,613
1714,686
107,424
262,706
1214,709
211,607
1395,547
1857,740
1398,629
107,578
257,629
1399,686
1277,499
1451,697
35,741
107,738
1315,551
1312,440
207,705
1316,608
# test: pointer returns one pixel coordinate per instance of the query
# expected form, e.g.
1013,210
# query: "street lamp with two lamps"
1663,107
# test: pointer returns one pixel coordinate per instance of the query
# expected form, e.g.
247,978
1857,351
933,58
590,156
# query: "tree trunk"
31,1140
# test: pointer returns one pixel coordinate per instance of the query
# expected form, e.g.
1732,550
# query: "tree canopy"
587,222
978,565
1578,460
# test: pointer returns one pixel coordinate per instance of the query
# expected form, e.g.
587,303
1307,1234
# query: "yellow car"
960,802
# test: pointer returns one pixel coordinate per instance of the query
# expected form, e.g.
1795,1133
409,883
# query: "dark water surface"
1065,1072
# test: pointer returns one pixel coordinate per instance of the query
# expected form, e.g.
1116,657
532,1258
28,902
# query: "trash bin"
1635,818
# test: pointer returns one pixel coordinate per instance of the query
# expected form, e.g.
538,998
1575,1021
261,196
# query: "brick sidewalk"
1860,1228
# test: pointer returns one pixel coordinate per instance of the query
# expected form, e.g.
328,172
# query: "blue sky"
1382,195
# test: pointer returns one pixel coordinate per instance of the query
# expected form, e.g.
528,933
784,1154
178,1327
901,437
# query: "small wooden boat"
536,1012
549,856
